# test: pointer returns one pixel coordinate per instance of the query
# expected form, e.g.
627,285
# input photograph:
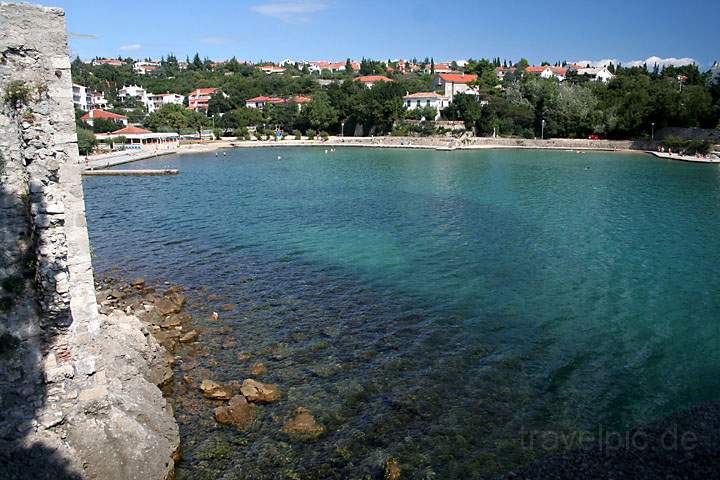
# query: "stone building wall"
75,386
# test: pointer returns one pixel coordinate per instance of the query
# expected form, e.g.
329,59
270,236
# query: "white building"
82,97
99,101
715,73
454,83
416,101
271,69
370,80
90,117
159,100
143,67
601,74
138,93
546,71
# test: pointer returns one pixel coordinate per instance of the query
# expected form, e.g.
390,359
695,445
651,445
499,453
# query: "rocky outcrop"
256,391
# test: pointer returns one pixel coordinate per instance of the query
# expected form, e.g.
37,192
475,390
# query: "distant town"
124,98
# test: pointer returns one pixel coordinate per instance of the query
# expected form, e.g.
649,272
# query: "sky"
677,31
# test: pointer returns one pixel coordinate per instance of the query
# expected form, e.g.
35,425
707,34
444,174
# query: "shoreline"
410,143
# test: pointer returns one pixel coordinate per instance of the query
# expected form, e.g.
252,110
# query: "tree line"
625,107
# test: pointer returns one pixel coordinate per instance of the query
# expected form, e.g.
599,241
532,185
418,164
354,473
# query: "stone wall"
74,389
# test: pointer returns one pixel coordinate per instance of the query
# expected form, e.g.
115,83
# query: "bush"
687,147
17,93
311,134
86,141
324,135
217,133
241,132
297,134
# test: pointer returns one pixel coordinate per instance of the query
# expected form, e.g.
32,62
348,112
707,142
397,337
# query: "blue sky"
336,29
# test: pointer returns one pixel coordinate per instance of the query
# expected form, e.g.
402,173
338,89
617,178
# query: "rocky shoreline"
160,312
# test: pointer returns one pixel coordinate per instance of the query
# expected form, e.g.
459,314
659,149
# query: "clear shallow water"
430,306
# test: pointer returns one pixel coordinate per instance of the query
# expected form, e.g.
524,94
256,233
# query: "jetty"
153,171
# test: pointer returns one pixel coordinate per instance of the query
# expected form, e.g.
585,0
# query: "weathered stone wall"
76,392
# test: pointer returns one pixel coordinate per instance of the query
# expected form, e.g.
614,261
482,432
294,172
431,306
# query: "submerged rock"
258,368
215,390
138,282
238,413
392,470
228,306
256,391
303,424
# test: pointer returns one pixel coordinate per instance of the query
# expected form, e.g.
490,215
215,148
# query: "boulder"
138,282
255,391
189,337
238,413
165,306
214,390
303,424
214,316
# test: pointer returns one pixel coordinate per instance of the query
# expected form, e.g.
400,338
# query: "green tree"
86,141
319,113
466,108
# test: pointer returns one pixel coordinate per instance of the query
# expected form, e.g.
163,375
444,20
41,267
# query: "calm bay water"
430,306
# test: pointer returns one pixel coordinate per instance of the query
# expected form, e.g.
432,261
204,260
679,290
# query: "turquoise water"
430,306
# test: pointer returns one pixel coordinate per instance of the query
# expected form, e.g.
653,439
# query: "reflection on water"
429,306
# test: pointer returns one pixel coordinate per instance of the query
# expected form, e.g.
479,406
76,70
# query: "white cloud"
297,11
651,61
130,48
662,62
598,63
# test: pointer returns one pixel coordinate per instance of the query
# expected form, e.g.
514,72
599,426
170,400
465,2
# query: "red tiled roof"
302,99
423,95
458,77
130,131
267,99
535,69
373,78
203,91
96,113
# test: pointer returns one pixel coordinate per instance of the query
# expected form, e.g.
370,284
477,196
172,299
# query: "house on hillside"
114,62
90,117
416,101
99,101
159,100
271,69
137,92
370,80
715,73
454,83
260,102
82,97
143,67
598,74
199,99
501,72
547,71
